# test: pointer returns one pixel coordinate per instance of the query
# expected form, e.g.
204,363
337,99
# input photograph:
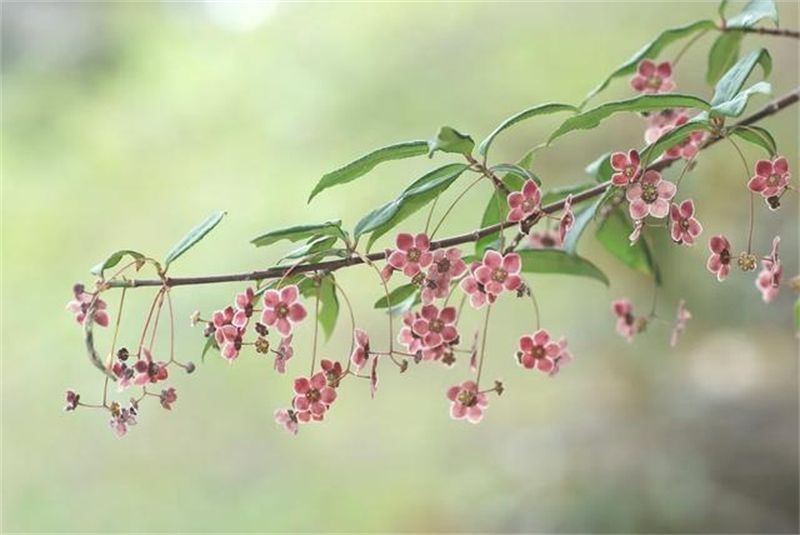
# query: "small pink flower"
407,337
412,254
626,167
282,309
436,327
652,78
72,399
474,289
283,354
563,358
361,350
467,402
498,273
685,227
525,203
446,265
567,219
769,279
545,239
287,419
626,321
244,308
333,372
121,418
771,178
168,397
682,316
80,306
720,259
650,196
538,351
226,334
313,395
663,123
148,371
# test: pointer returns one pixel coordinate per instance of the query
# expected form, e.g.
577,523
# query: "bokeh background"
124,124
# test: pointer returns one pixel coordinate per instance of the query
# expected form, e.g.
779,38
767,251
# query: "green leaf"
367,163
735,107
560,262
542,109
600,169
210,342
194,236
582,220
721,9
514,169
592,118
417,195
753,12
613,234
733,80
314,246
652,50
557,194
328,301
723,55
397,296
496,211
450,140
115,258
757,136
299,232
673,137
797,316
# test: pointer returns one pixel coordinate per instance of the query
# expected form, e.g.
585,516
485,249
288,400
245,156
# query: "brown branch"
781,32
332,265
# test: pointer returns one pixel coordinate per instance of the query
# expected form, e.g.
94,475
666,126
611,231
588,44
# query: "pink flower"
244,308
467,402
407,337
80,306
685,227
720,259
545,239
361,350
538,351
147,371
333,372
564,357
313,395
771,178
72,399
283,354
668,120
435,327
121,418
227,335
282,310
168,397
626,322
626,167
650,196
287,419
499,273
525,203
567,219
446,265
769,279
681,317
412,254
652,78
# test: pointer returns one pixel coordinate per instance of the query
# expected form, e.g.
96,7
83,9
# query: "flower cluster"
81,304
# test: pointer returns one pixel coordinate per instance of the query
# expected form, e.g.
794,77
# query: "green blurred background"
125,124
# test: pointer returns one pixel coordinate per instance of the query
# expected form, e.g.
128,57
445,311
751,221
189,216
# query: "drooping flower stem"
483,344
148,319
171,328
535,308
752,196
120,308
316,330
453,205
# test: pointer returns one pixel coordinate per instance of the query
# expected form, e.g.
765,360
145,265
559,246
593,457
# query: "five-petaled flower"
769,279
626,167
282,309
284,352
80,306
489,278
446,265
538,351
627,324
287,419
360,353
333,372
148,371
313,397
719,262
525,203
563,358
684,226
244,308
121,418
771,178
650,196
567,219
467,402
168,397
652,78
436,327
227,335
412,254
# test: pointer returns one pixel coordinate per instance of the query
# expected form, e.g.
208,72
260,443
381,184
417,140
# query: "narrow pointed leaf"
674,137
194,236
542,109
582,220
734,79
754,12
115,258
315,246
600,169
367,163
757,136
559,262
735,106
450,140
397,296
723,54
613,234
299,232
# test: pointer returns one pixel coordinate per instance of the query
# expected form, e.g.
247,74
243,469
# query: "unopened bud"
123,354
774,202
190,367
498,387
403,366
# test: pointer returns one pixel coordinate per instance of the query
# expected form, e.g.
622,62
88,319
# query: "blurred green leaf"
315,246
723,55
797,316
516,170
299,232
735,106
560,262
733,80
367,163
328,301
753,12
674,137
613,234
542,109
397,296
450,140
582,220
651,50
592,118
496,211
115,258
417,195
721,8
210,342
194,236
757,136
600,169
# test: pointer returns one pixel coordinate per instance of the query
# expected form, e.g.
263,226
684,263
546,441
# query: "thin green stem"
483,345
453,205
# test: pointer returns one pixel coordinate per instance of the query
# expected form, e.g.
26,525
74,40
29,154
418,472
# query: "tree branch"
279,271
767,31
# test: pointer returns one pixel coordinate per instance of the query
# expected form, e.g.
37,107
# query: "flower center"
413,255
436,326
654,82
725,257
629,169
773,180
548,241
528,205
499,275
649,193
467,398
538,352
684,224
443,266
313,395
282,310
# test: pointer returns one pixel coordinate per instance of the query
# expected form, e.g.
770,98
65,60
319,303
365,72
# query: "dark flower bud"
262,329
498,387
403,366
190,367
774,202
123,354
